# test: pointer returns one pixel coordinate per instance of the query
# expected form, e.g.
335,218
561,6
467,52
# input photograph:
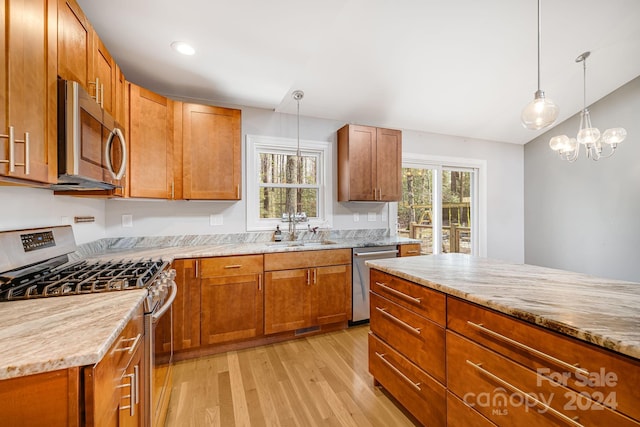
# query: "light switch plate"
356,217
127,221
371,216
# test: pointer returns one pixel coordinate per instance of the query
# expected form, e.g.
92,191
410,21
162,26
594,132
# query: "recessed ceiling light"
183,47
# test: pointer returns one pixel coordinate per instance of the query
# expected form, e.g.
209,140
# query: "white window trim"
479,187
267,143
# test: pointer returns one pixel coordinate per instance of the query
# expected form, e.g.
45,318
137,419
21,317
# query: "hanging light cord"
539,42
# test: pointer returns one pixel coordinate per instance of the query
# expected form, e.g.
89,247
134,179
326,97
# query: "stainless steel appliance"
360,281
34,263
92,151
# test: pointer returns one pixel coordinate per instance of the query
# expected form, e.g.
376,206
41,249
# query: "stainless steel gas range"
34,263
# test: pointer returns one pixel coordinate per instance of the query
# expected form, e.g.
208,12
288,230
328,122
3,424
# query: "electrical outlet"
371,216
356,217
127,221
215,219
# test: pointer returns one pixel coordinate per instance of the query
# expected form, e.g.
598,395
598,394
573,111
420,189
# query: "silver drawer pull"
413,251
573,368
399,321
397,371
133,392
130,348
233,266
572,421
400,294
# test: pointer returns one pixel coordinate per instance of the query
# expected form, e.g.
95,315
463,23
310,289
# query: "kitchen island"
520,344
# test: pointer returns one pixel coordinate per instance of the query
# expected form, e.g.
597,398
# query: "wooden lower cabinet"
50,399
418,392
499,370
298,298
231,298
411,249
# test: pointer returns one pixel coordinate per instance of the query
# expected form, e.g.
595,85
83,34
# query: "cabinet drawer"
510,394
412,249
601,373
306,259
415,337
420,394
461,414
230,266
426,302
127,342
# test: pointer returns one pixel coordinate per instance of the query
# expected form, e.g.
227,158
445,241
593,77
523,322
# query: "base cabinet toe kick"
452,362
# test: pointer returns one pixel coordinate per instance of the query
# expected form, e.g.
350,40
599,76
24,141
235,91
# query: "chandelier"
541,112
590,137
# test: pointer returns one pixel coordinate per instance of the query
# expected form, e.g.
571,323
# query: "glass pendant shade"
614,136
539,113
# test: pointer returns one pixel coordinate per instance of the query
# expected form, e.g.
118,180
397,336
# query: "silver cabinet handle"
107,153
259,282
527,396
565,365
130,349
398,372
400,294
376,253
12,151
413,251
315,276
308,277
398,321
101,95
133,395
233,266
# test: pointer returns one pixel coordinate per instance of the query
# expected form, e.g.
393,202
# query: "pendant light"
589,136
541,112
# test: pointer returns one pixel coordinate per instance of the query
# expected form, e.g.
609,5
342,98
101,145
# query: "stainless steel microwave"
92,151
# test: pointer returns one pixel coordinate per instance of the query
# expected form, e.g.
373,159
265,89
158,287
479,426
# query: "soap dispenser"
277,235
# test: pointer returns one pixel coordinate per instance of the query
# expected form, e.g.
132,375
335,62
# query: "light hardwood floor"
316,381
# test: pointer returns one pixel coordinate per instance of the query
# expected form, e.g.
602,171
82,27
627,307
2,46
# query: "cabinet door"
186,311
75,44
132,392
332,294
104,72
151,144
28,88
287,300
231,308
211,152
389,165
356,159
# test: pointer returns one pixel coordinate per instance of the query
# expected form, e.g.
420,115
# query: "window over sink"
280,183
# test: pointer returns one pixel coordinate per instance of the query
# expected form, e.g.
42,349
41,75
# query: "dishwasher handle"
368,254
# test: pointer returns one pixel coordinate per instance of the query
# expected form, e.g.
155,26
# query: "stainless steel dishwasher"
360,296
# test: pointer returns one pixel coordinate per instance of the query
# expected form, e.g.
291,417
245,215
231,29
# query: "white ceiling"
457,67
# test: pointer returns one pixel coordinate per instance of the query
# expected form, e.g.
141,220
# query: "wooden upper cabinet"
150,144
369,164
82,56
211,163
75,43
28,90
104,72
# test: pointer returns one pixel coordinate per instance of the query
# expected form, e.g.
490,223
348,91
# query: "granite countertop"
604,312
169,251
48,334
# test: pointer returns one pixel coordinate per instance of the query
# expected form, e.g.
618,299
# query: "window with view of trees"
285,183
438,208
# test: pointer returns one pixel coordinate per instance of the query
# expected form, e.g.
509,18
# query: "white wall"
23,207
584,216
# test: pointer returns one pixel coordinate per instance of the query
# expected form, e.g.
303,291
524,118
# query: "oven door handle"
167,304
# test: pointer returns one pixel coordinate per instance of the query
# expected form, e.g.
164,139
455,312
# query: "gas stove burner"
83,277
